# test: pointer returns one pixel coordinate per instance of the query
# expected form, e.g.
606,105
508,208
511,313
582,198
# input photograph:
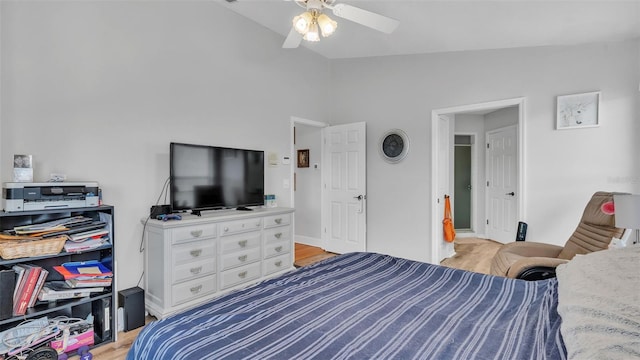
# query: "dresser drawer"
276,249
240,258
277,234
277,220
240,226
240,275
192,290
193,251
240,242
193,270
189,233
276,264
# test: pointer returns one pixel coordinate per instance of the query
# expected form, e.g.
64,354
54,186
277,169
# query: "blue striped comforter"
366,306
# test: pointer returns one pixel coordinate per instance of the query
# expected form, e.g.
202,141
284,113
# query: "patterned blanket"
366,306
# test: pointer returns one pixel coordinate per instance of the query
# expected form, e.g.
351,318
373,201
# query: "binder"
7,286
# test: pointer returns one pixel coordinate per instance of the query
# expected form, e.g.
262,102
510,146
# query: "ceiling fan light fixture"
327,25
303,22
313,34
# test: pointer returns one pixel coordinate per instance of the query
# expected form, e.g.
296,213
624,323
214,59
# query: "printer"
22,196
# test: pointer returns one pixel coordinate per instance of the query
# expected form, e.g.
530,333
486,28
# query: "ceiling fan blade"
293,40
367,18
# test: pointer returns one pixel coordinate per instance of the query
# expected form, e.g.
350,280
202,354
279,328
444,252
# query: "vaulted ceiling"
429,26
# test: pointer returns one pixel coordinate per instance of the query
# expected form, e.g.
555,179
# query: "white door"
345,192
502,192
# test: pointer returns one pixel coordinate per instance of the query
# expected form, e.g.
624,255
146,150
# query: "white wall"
501,118
97,90
308,187
563,168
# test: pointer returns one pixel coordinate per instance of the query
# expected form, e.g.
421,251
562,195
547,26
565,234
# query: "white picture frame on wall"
578,111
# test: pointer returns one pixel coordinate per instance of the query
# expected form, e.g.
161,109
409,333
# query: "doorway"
329,191
444,126
463,180
306,188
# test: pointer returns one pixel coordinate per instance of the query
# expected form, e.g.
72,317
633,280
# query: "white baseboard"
461,234
307,240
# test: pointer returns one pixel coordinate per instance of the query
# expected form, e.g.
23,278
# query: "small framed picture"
578,111
22,168
303,158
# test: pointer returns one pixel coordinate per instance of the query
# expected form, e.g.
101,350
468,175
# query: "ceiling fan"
313,22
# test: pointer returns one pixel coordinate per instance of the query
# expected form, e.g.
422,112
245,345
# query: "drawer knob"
278,263
242,258
278,235
242,275
279,248
196,233
278,220
196,253
226,229
242,243
196,289
197,270
258,224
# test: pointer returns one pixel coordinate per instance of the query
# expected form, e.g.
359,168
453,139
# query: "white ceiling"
430,26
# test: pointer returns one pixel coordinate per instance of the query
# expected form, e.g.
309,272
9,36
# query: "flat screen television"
210,177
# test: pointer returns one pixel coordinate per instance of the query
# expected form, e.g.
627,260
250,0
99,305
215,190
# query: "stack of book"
29,281
80,279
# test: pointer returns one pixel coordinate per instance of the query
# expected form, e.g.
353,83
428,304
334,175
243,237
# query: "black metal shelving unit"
101,305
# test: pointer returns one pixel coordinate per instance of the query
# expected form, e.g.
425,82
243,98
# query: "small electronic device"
522,231
159,210
165,217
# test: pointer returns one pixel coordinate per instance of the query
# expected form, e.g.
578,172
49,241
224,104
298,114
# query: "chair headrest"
593,213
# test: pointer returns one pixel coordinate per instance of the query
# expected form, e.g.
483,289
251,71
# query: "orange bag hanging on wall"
448,230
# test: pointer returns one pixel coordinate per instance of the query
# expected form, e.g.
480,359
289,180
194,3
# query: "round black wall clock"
394,145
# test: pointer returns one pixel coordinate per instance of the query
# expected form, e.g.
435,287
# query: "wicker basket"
15,249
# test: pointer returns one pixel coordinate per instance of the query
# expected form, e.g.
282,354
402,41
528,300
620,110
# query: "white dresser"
190,261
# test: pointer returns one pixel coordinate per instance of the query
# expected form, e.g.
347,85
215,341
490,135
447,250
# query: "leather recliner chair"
536,261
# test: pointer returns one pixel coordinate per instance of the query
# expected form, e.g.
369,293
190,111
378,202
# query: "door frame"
292,168
436,221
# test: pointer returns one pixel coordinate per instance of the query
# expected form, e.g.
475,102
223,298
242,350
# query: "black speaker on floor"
132,301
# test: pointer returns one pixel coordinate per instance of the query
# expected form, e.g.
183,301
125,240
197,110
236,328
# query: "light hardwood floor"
304,254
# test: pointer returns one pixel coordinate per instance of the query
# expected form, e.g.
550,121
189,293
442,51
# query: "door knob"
511,194
359,197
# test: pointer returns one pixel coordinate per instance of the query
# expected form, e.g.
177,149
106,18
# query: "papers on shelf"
76,283
57,290
54,225
84,270
89,244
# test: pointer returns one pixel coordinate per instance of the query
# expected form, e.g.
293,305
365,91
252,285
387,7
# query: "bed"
369,306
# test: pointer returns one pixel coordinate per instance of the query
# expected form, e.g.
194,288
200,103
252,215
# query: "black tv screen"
209,177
